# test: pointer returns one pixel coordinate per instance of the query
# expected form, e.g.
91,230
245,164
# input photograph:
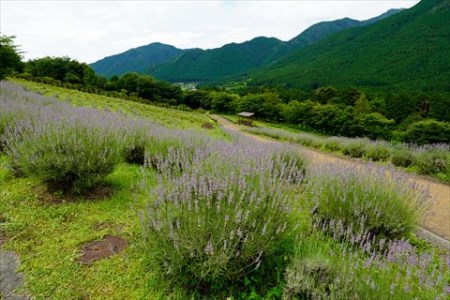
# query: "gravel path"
436,226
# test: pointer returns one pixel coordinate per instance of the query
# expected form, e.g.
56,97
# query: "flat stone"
10,280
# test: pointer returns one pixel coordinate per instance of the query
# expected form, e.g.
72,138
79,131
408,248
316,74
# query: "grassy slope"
168,117
408,50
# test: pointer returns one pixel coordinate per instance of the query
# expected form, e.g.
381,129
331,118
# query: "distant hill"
215,65
218,65
231,59
136,60
409,50
321,30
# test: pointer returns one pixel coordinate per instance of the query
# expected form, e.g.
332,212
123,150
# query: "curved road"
436,226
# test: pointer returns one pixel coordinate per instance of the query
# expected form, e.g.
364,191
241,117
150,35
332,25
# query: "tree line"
421,118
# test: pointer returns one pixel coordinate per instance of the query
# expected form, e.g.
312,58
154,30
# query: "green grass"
48,236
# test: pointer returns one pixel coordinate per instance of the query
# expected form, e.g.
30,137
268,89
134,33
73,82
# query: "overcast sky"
91,30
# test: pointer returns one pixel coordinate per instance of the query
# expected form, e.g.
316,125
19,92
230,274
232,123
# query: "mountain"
219,65
411,49
321,30
197,65
231,59
136,59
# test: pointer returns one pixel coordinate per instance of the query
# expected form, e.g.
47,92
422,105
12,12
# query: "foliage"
377,151
433,161
365,200
402,158
10,58
383,60
355,148
427,132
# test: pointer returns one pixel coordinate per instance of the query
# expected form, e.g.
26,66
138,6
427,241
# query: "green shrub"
354,148
68,155
332,144
377,152
427,132
431,162
366,200
402,158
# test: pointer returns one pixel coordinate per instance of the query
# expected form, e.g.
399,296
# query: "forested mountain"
321,30
408,50
231,59
136,60
218,65
235,59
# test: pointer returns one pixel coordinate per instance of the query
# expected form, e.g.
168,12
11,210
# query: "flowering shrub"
366,200
377,151
432,162
323,268
221,221
354,148
68,152
402,158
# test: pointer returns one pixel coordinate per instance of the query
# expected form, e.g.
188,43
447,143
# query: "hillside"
321,30
408,50
135,60
217,65
231,59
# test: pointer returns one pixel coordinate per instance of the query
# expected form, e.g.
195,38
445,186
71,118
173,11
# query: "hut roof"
245,114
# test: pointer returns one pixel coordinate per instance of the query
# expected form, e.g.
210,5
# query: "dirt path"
437,222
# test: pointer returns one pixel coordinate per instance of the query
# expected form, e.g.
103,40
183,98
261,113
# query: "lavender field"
205,216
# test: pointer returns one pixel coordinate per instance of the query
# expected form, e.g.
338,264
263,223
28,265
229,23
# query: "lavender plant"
377,151
223,219
402,158
354,147
432,160
376,200
323,268
71,151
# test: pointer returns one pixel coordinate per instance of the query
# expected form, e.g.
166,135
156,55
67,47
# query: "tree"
10,59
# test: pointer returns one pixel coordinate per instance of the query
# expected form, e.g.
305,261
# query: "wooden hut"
245,118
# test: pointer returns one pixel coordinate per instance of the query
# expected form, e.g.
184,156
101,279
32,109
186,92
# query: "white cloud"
91,30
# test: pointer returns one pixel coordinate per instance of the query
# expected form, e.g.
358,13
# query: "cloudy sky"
90,30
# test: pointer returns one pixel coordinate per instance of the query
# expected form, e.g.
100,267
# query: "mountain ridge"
191,65
407,50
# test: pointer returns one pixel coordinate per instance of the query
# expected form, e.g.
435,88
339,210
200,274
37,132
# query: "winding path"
435,228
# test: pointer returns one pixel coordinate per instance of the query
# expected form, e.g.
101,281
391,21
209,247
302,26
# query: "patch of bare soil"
56,196
102,249
207,126
438,220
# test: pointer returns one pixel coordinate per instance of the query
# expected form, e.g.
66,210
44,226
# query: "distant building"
245,118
